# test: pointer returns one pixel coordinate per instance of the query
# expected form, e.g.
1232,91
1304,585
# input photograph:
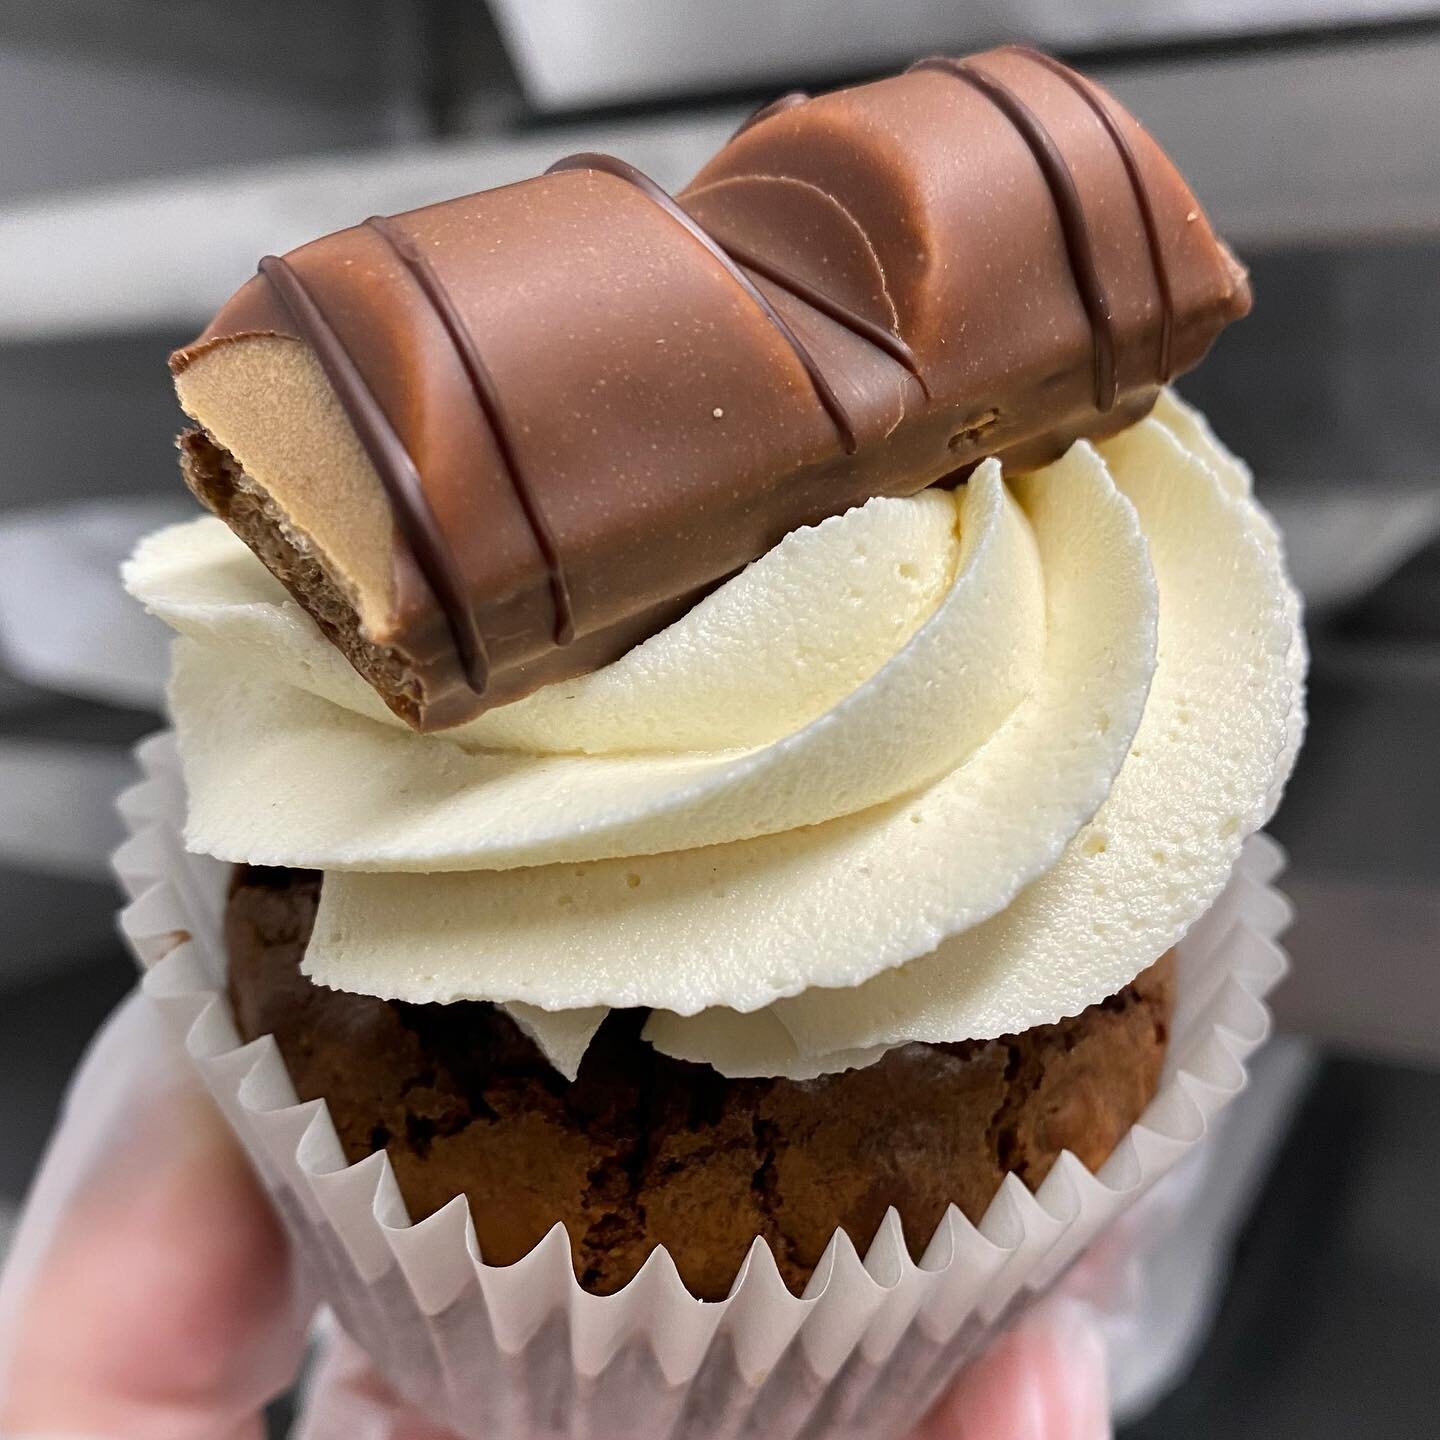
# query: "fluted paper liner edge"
487,1349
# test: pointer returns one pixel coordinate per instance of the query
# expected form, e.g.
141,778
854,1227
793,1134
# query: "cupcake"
717,722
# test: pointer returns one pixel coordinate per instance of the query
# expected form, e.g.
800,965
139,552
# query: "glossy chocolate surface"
589,402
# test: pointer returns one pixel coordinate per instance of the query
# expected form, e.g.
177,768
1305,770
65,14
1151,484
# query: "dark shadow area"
1331,1323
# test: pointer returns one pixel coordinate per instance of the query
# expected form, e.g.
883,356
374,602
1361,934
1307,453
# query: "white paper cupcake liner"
521,1350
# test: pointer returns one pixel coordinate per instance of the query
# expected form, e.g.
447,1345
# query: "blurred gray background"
150,150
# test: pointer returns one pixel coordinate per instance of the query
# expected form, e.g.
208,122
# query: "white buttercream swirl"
921,772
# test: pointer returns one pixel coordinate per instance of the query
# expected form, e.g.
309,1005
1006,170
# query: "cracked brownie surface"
643,1150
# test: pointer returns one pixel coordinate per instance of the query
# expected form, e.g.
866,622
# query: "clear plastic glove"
149,1295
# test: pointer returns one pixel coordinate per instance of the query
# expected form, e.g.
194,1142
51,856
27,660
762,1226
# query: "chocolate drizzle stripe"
1137,182
394,465
1068,206
487,397
778,106
622,170
877,335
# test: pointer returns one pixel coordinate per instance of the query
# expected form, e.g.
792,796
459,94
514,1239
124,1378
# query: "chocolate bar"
496,442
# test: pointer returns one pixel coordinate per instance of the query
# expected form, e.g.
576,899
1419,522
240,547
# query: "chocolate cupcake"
642,1151
724,705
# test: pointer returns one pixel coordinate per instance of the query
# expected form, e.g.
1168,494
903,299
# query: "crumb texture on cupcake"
643,1150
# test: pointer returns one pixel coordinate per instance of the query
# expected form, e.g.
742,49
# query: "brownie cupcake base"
642,1150
491,1349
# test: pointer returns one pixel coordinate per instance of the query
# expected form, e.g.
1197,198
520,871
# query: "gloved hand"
149,1295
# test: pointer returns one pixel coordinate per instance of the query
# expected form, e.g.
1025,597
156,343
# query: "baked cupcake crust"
642,1150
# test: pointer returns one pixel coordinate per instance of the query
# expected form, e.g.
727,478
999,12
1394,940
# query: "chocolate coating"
613,399
623,170
788,101
487,396
413,516
1069,209
1086,91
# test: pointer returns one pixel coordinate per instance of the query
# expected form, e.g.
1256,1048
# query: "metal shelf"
1329,145
574,53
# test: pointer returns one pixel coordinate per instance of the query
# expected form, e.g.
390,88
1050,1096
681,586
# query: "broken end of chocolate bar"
305,499
496,442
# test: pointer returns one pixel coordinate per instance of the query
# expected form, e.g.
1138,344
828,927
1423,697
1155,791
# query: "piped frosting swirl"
940,767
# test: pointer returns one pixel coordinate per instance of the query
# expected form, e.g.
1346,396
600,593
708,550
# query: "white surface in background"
65,623
1317,145
1363,943
587,52
75,119
58,814
1341,544
169,252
